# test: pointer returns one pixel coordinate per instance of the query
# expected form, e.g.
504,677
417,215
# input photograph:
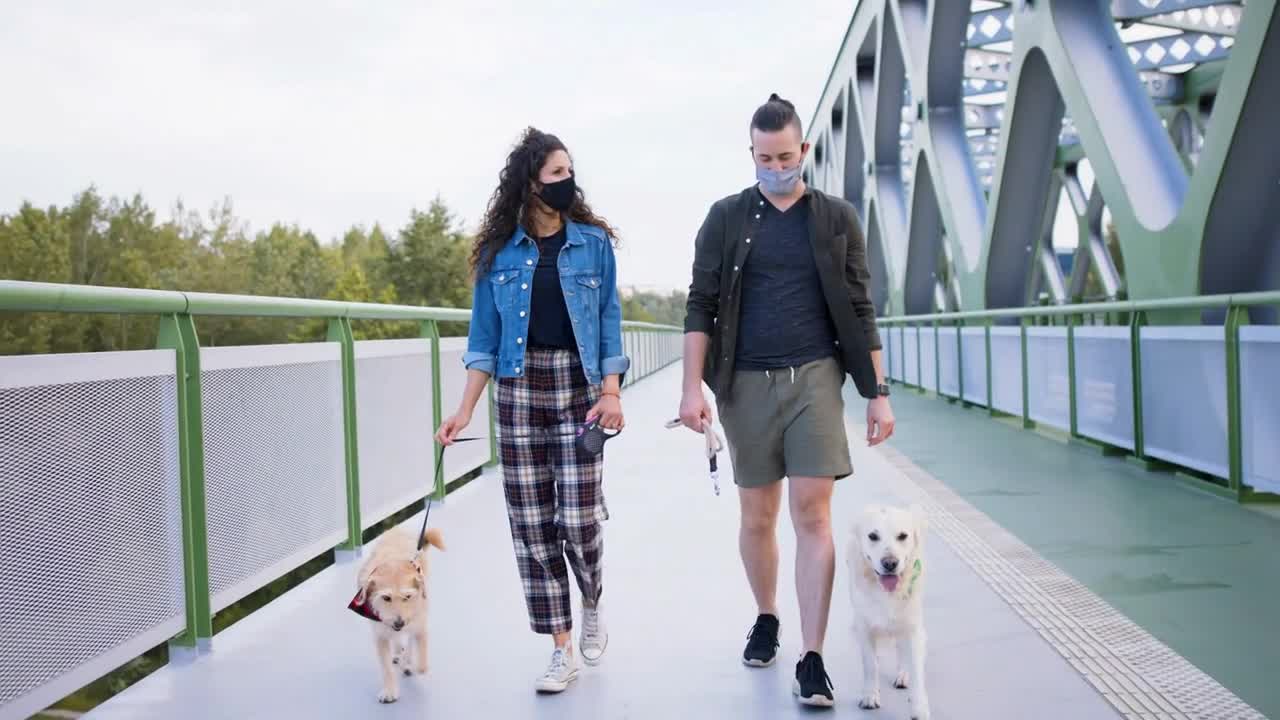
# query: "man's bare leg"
758,542
815,556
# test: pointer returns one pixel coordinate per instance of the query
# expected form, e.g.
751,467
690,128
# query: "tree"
121,242
427,262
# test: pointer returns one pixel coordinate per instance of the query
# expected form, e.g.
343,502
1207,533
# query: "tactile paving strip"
1139,675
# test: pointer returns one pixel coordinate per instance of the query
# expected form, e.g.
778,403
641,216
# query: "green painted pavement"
1198,572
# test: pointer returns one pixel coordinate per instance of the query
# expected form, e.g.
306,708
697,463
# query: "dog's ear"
365,591
920,520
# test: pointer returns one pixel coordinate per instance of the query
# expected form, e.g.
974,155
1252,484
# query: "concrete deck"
678,609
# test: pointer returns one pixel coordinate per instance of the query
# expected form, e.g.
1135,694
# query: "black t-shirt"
783,320
549,324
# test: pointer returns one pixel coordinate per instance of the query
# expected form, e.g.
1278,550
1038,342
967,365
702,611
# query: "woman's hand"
452,426
609,409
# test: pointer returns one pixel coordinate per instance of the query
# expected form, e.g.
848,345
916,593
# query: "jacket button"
735,268
519,341
748,241
521,313
530,262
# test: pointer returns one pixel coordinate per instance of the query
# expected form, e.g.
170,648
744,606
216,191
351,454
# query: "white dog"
886,585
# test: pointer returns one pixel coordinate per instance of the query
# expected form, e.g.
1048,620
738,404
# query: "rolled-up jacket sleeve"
485,330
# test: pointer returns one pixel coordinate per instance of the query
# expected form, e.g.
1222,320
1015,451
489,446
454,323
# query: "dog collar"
915,575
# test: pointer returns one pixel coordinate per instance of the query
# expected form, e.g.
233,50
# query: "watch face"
883,390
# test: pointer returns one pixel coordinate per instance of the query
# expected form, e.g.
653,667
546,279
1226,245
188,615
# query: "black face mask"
559,195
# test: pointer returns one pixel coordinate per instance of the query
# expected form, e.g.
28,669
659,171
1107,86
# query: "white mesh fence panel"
973,346
1184,400
395,425
928,358
90,524
1104,385
887,354
895,335
1260,406
949,361
274,461
911,364
1006,369
1048,387
628,349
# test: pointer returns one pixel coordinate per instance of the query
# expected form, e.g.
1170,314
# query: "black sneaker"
762,642
812,685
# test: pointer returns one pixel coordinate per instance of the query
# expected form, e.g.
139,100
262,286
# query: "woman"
546,321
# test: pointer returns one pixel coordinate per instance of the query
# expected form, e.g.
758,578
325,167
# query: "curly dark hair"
513,200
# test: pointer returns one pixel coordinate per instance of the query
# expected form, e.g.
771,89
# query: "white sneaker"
562,671
595,637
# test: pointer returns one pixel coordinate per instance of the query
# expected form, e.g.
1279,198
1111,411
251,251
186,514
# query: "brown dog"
394,583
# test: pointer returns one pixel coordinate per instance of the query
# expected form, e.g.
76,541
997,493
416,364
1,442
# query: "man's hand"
879,420
694,410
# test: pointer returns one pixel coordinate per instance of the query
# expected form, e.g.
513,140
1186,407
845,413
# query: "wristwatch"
882,390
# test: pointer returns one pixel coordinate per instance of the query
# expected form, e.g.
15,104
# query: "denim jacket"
500,305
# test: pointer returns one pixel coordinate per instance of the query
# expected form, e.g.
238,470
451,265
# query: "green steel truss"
956,127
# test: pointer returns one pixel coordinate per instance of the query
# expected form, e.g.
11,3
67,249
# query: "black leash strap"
439,483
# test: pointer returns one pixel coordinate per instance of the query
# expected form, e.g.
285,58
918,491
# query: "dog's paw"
922,715
870,701
901,682
420,668
389,695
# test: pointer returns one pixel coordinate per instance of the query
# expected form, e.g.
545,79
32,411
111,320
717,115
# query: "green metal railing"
178,312
1138,314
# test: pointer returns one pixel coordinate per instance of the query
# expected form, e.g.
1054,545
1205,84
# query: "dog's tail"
433,536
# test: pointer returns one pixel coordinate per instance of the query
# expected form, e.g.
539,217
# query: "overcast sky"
333,113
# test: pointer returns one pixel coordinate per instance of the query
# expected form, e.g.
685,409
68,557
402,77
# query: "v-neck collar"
808,190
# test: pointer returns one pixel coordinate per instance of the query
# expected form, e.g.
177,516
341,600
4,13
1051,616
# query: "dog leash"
363,607
439,483
714,444
590,439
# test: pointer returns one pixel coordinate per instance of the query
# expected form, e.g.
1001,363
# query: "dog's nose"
889,564
398,625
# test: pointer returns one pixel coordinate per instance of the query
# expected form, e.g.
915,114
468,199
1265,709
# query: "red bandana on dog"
363,608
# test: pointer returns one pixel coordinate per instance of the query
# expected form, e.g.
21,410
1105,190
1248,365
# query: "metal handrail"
1200,302
58,297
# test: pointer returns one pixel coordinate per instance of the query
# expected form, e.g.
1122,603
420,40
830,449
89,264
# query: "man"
778,313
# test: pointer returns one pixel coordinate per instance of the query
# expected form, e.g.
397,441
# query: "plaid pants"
555,502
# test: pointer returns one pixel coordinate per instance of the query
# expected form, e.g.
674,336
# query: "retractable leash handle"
591,437
714,444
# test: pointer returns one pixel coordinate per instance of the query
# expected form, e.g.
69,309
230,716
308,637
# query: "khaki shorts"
787,423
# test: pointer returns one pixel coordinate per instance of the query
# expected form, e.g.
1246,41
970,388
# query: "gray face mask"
778,182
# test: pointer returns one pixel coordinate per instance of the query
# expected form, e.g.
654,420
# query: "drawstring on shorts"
769,374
